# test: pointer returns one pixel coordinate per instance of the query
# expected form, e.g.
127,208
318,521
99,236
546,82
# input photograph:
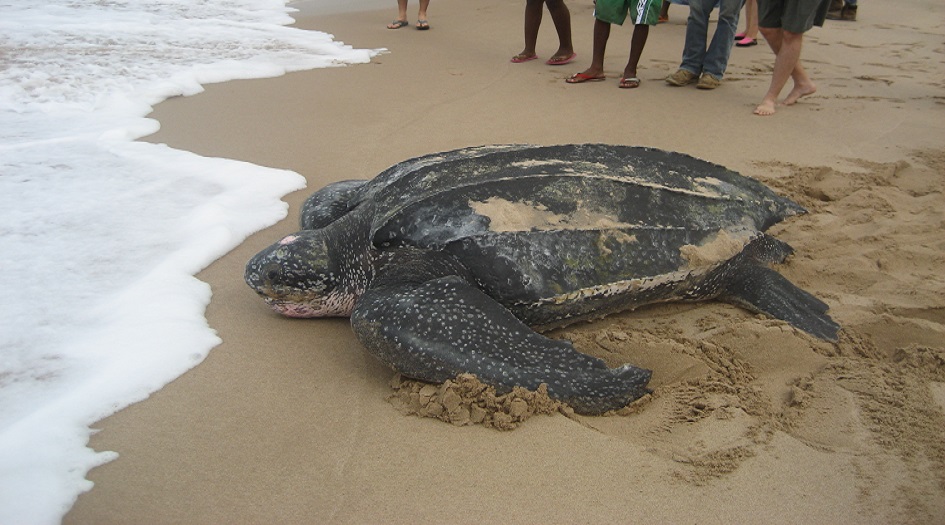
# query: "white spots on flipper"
441,328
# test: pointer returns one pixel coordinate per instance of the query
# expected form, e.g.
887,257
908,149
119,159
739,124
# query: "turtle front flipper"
330,203
440,328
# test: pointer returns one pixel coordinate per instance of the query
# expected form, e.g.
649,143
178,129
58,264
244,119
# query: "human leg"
643,14
751,19
422,14
803,85
716,56
697,27
693,51
787,48
596,70
533,12
401,15
561,17
749,37
637,42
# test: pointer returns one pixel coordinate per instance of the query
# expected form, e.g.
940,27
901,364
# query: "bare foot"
798,92
765,108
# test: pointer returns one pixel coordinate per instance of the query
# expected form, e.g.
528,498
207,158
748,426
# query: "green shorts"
615,11
796,16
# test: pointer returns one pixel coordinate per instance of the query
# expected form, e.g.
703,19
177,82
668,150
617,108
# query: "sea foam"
100,236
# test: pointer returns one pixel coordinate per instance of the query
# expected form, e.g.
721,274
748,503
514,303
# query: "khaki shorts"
796,16
615,11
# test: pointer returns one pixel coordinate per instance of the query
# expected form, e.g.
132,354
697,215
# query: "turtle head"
299,277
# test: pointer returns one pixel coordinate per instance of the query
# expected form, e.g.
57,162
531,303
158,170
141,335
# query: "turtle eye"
272,273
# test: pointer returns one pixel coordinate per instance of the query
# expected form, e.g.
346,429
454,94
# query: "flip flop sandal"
746,42
629,83
422,25
560,61
518,59
580,78
396,24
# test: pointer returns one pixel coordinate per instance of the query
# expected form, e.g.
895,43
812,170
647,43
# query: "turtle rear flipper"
438,329
761,289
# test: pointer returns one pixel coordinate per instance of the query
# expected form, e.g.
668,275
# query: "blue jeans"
696,58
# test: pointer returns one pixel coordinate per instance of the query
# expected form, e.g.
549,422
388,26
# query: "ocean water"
100,235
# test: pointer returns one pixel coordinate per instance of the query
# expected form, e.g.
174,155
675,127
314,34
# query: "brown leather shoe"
835,11
848,13
708,82
682,77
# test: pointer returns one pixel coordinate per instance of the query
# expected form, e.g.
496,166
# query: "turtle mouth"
325,306
298,310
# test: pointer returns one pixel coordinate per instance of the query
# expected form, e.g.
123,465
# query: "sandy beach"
750,421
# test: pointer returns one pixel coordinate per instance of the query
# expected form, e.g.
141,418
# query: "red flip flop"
580,78
560,61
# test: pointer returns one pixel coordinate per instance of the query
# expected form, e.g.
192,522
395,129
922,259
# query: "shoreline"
312,8
289,420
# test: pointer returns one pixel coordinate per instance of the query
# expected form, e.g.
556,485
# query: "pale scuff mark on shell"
508,216
616,235
619,287
717,249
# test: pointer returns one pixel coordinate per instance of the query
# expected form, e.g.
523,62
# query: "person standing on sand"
697,59
607,12
561,17
783,24
664,12
401,19
749,37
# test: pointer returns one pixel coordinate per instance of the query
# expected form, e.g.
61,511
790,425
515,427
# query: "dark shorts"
796,16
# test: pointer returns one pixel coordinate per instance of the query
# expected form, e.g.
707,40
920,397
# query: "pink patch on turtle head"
288,240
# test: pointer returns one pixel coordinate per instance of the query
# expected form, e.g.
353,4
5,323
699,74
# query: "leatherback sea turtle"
453,262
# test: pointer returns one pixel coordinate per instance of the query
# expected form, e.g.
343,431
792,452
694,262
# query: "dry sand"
290,421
